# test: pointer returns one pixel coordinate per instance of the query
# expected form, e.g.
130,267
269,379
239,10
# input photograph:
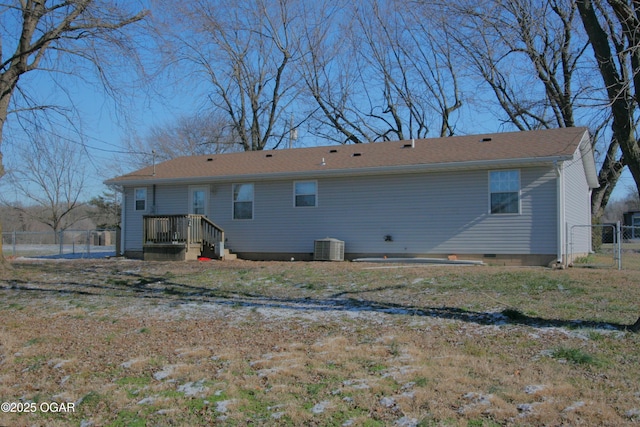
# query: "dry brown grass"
239,343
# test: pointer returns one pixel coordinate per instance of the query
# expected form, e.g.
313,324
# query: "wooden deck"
181,237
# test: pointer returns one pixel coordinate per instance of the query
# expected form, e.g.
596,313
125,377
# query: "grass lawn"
131,343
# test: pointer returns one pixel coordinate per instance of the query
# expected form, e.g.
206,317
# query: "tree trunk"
3,263
7,84
607,178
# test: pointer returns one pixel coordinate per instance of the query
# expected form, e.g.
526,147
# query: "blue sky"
104,123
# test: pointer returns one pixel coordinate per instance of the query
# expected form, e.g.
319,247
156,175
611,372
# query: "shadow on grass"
163,290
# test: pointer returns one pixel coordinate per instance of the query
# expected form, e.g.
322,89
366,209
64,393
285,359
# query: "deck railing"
188,230
212,235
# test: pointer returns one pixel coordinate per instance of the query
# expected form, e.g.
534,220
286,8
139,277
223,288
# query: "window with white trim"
243,201
198,199
504,192
305,194
140,195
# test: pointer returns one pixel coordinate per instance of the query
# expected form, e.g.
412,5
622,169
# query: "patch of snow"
533,389
476,399
222,406
58,363
357,384
147,401
268,371
193,388
388,402
574,406
406,422
632,413
166,372
408,386
129,363
278,406
524,408
319,408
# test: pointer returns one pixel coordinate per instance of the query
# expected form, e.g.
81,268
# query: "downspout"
123,216
153,206
560,214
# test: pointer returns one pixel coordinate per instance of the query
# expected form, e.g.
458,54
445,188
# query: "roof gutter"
374,170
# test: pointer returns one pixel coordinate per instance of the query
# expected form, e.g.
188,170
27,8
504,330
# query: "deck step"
228,256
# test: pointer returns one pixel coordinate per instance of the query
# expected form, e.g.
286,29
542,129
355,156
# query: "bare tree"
192,135
540,45
245,50
330,72
613,27
37,35
48,177
524,42
390,76
413,60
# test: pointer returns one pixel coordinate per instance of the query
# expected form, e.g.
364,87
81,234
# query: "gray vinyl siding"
424,213
577,206
429,213
133,220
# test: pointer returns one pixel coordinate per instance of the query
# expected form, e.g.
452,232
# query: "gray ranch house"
504,198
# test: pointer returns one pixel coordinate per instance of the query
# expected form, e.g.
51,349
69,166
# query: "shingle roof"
508,147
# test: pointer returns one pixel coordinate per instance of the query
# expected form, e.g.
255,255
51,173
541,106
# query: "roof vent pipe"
412,145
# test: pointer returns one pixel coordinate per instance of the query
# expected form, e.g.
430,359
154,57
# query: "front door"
198,200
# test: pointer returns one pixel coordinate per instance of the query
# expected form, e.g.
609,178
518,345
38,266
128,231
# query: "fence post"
13,242
88,243
618,242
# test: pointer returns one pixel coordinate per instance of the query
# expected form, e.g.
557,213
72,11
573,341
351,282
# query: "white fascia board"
585,151
378,170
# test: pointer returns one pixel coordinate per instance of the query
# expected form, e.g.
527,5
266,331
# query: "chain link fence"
613,246
63,244
630,248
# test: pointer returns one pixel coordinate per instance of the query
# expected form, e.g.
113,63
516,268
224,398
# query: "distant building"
631,222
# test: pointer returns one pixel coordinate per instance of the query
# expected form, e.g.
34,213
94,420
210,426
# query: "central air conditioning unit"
328,250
